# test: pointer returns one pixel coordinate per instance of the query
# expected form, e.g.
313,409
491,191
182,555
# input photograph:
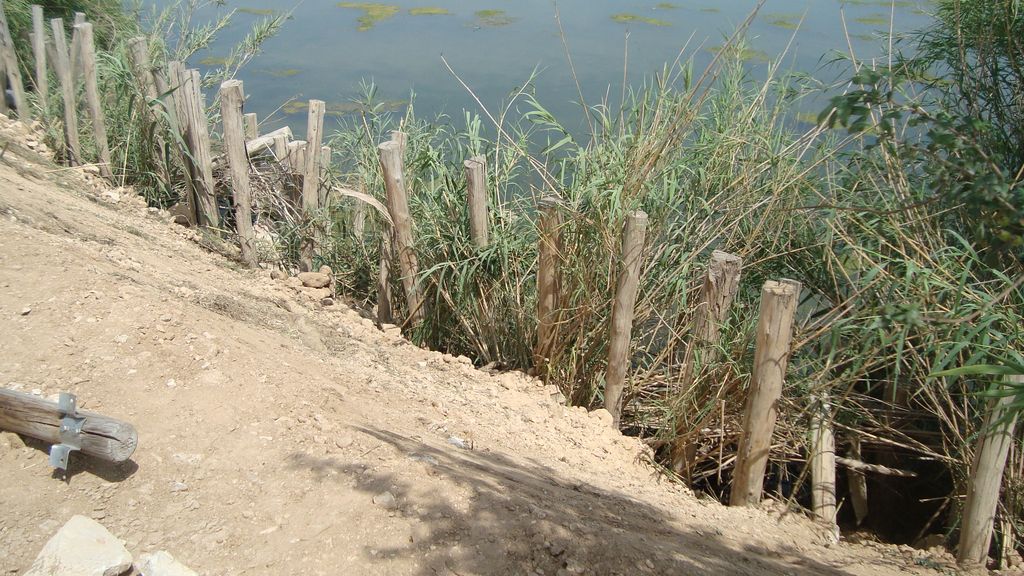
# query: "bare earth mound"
277,436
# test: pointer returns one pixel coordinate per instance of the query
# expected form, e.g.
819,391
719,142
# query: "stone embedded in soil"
314,279
26,311
82,547
162,564
278,274
326,270
386,500
604,416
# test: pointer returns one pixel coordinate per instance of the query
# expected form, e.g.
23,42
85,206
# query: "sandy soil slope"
273,429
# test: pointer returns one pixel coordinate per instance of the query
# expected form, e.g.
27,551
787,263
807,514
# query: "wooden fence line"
823,461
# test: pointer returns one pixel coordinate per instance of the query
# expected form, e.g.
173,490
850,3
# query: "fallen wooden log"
92,434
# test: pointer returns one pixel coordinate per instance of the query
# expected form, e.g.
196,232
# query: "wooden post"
549,250
310,169
993,444
325,170
92,99
62,66
280,149
206,198
39,51
252,126
138,50
823,462
620,332
10,61
721,282
774,332
858,484
179,109
476,197
231,100
76,48
398,207
3,78
102,436
384,313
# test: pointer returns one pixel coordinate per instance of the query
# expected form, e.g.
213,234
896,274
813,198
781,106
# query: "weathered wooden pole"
100,436
279,147
823,461
620,332
10,61
309,165
252,126
62,67
398,207
858,483
138,50
717,292
476,198
993,444
3,78
92,99
206,198
39,51
774,332
75,55
549,250
325,170
385,315
232,98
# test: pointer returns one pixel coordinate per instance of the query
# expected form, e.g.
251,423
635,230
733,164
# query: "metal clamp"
70,431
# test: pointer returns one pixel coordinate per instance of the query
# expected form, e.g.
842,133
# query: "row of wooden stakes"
176,94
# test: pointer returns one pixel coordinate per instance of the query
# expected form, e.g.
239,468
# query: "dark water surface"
326,48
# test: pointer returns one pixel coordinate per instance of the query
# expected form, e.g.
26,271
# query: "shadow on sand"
527,519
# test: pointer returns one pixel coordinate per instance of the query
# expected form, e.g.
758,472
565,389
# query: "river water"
326,48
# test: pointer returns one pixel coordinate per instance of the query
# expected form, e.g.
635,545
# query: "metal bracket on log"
70,431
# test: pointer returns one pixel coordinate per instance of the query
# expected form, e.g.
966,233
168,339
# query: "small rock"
458,442
278,274
82,547
121,338
386,500
463,360
314,279
327,302
604,416
326,270
343,442
162,564
317,294
293,282
171,383
26,311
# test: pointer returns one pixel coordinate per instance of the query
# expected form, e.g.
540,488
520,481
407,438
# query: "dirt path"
281,437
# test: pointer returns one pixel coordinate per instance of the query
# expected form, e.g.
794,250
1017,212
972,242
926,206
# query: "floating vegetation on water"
864,37
873,20
492,18
280,72
667,6
786,21
214,61
710,10
807,118
626,18
256,11
745,54
428,11
372,13
342,108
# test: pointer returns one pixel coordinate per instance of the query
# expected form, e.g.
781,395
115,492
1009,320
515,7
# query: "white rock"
386,500
83,547
162,564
